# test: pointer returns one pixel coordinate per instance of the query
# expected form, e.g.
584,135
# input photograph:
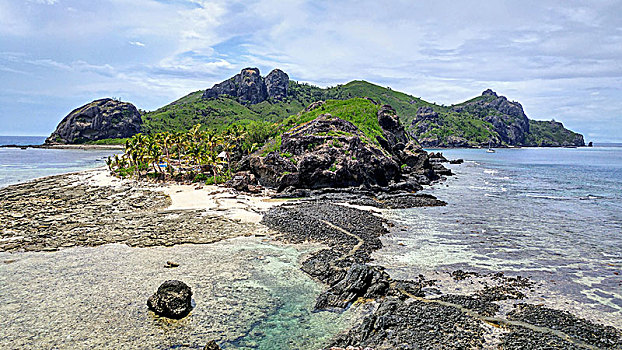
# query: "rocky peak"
101,119
277,84
489,92
250,87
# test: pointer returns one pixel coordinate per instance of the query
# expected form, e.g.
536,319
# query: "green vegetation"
550,133
358,111
465,120
196,155
121,141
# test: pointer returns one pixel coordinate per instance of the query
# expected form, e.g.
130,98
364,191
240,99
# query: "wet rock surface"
413,314
173,300
587,332
62,211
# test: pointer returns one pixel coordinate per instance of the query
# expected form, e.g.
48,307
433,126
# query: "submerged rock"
98,120
172,300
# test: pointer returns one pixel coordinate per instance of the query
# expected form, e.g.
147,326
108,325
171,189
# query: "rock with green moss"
336,144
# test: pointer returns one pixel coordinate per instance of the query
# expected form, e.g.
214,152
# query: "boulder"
211,345
360,281
173,300
244,181
100,119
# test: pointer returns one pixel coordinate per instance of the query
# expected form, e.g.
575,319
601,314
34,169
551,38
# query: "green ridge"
220,113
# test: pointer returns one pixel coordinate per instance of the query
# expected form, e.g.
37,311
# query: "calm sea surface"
19,165
554,214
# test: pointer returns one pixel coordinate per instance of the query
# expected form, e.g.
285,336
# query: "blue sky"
561,60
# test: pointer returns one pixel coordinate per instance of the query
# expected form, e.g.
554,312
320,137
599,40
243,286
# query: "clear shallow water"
550,213
19,165
248,294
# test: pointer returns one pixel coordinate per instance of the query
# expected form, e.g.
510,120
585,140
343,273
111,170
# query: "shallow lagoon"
249,294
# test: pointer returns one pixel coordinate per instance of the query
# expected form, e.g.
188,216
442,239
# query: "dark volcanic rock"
244,181
604,337
360,281
277,84
100,119
172,300
249,87
399,324
317,159
211,346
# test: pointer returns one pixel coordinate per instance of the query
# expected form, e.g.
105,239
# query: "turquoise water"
554,214
248,294
19,165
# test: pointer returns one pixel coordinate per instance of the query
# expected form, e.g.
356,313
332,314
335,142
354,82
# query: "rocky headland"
365,152
98,120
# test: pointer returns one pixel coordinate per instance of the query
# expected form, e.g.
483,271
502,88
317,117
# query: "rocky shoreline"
80,210
414,314
66,210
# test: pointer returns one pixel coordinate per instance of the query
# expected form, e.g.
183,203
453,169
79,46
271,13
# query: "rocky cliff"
100,119
507,118
485,119
544,133
249,87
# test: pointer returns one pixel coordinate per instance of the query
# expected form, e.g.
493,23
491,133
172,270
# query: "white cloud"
545,54
44,2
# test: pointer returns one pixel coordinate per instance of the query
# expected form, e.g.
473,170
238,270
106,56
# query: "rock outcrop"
330,152
507,118
277,84
249,87
98,120
173,300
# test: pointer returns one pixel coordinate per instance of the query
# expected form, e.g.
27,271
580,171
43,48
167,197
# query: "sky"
561,60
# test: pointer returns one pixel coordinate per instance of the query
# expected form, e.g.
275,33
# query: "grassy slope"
221,112
358,111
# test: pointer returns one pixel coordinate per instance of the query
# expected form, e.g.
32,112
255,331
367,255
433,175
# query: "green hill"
473,123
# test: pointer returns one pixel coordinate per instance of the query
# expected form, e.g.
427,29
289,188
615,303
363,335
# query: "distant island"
248,98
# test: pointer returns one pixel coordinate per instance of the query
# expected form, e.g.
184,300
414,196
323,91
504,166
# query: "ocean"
19,165
553,214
